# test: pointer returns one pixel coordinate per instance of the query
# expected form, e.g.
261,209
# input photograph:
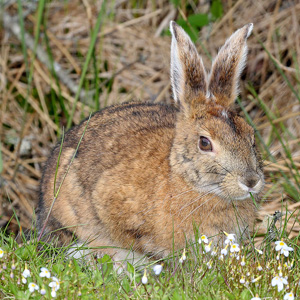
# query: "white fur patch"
250,29
224,114
177,75
78,251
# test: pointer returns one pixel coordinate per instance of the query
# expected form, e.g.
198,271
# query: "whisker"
223,168
194,210
214,207
197,198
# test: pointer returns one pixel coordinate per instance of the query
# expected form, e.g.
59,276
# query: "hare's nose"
252,181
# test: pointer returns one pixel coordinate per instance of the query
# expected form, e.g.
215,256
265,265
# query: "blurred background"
62,60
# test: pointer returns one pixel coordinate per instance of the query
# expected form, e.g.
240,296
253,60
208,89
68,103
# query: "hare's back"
120,134
122,129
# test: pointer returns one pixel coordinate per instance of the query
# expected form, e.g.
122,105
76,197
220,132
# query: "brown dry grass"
131,50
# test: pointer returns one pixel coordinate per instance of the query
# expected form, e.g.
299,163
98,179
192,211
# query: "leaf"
229,295
25,252
175,3
130,268
106,258
126,285
57,268
198,20
76,265
245,295
107,265
216,9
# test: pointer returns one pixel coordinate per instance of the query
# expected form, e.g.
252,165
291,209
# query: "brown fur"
140,180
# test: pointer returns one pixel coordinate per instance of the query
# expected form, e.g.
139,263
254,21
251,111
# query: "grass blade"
88,58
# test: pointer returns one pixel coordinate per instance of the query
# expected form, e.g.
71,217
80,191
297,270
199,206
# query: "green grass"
202,275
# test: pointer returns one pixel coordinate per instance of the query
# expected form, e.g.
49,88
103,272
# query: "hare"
146,174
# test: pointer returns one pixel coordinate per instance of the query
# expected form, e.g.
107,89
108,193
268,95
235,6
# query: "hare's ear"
188,76
227,67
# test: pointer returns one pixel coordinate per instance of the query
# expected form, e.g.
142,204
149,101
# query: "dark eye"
205,144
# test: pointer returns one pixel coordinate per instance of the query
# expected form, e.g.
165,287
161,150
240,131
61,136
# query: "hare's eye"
205,144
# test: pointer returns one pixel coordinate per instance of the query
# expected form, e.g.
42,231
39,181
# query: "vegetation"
201,271
60,61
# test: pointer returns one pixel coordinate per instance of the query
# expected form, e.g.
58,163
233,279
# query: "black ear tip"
172,24
173,27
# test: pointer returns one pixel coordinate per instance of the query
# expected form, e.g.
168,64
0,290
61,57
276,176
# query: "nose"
251,181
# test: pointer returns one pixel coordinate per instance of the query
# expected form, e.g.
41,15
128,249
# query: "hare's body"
108,198
145,175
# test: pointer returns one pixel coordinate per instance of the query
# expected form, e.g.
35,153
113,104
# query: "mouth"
248,195
251,189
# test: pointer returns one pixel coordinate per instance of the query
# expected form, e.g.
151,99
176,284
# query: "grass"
108,55
197,272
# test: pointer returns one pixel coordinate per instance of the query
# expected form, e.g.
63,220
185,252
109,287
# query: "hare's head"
214,148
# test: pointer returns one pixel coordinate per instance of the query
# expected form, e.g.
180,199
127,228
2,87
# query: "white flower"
45,273
24,280
289,296
144,278
207,248
243,261
242,280
1,253
54,284
33,287
157,269
183,257
55,279
230,238
224,251
214,252
26,272
53,293
291,264
279,245
209,264
259,251
256,279
279,281
203,239
285,250
234,248
259,268
43,291
256,298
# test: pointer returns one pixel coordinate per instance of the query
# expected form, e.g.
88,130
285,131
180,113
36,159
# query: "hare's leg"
98,247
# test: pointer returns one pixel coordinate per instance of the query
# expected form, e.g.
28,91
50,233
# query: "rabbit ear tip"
173,25
249,29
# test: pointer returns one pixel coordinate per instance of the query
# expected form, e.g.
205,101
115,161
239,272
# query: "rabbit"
146,174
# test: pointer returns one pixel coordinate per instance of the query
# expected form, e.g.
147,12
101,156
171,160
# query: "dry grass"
132,53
